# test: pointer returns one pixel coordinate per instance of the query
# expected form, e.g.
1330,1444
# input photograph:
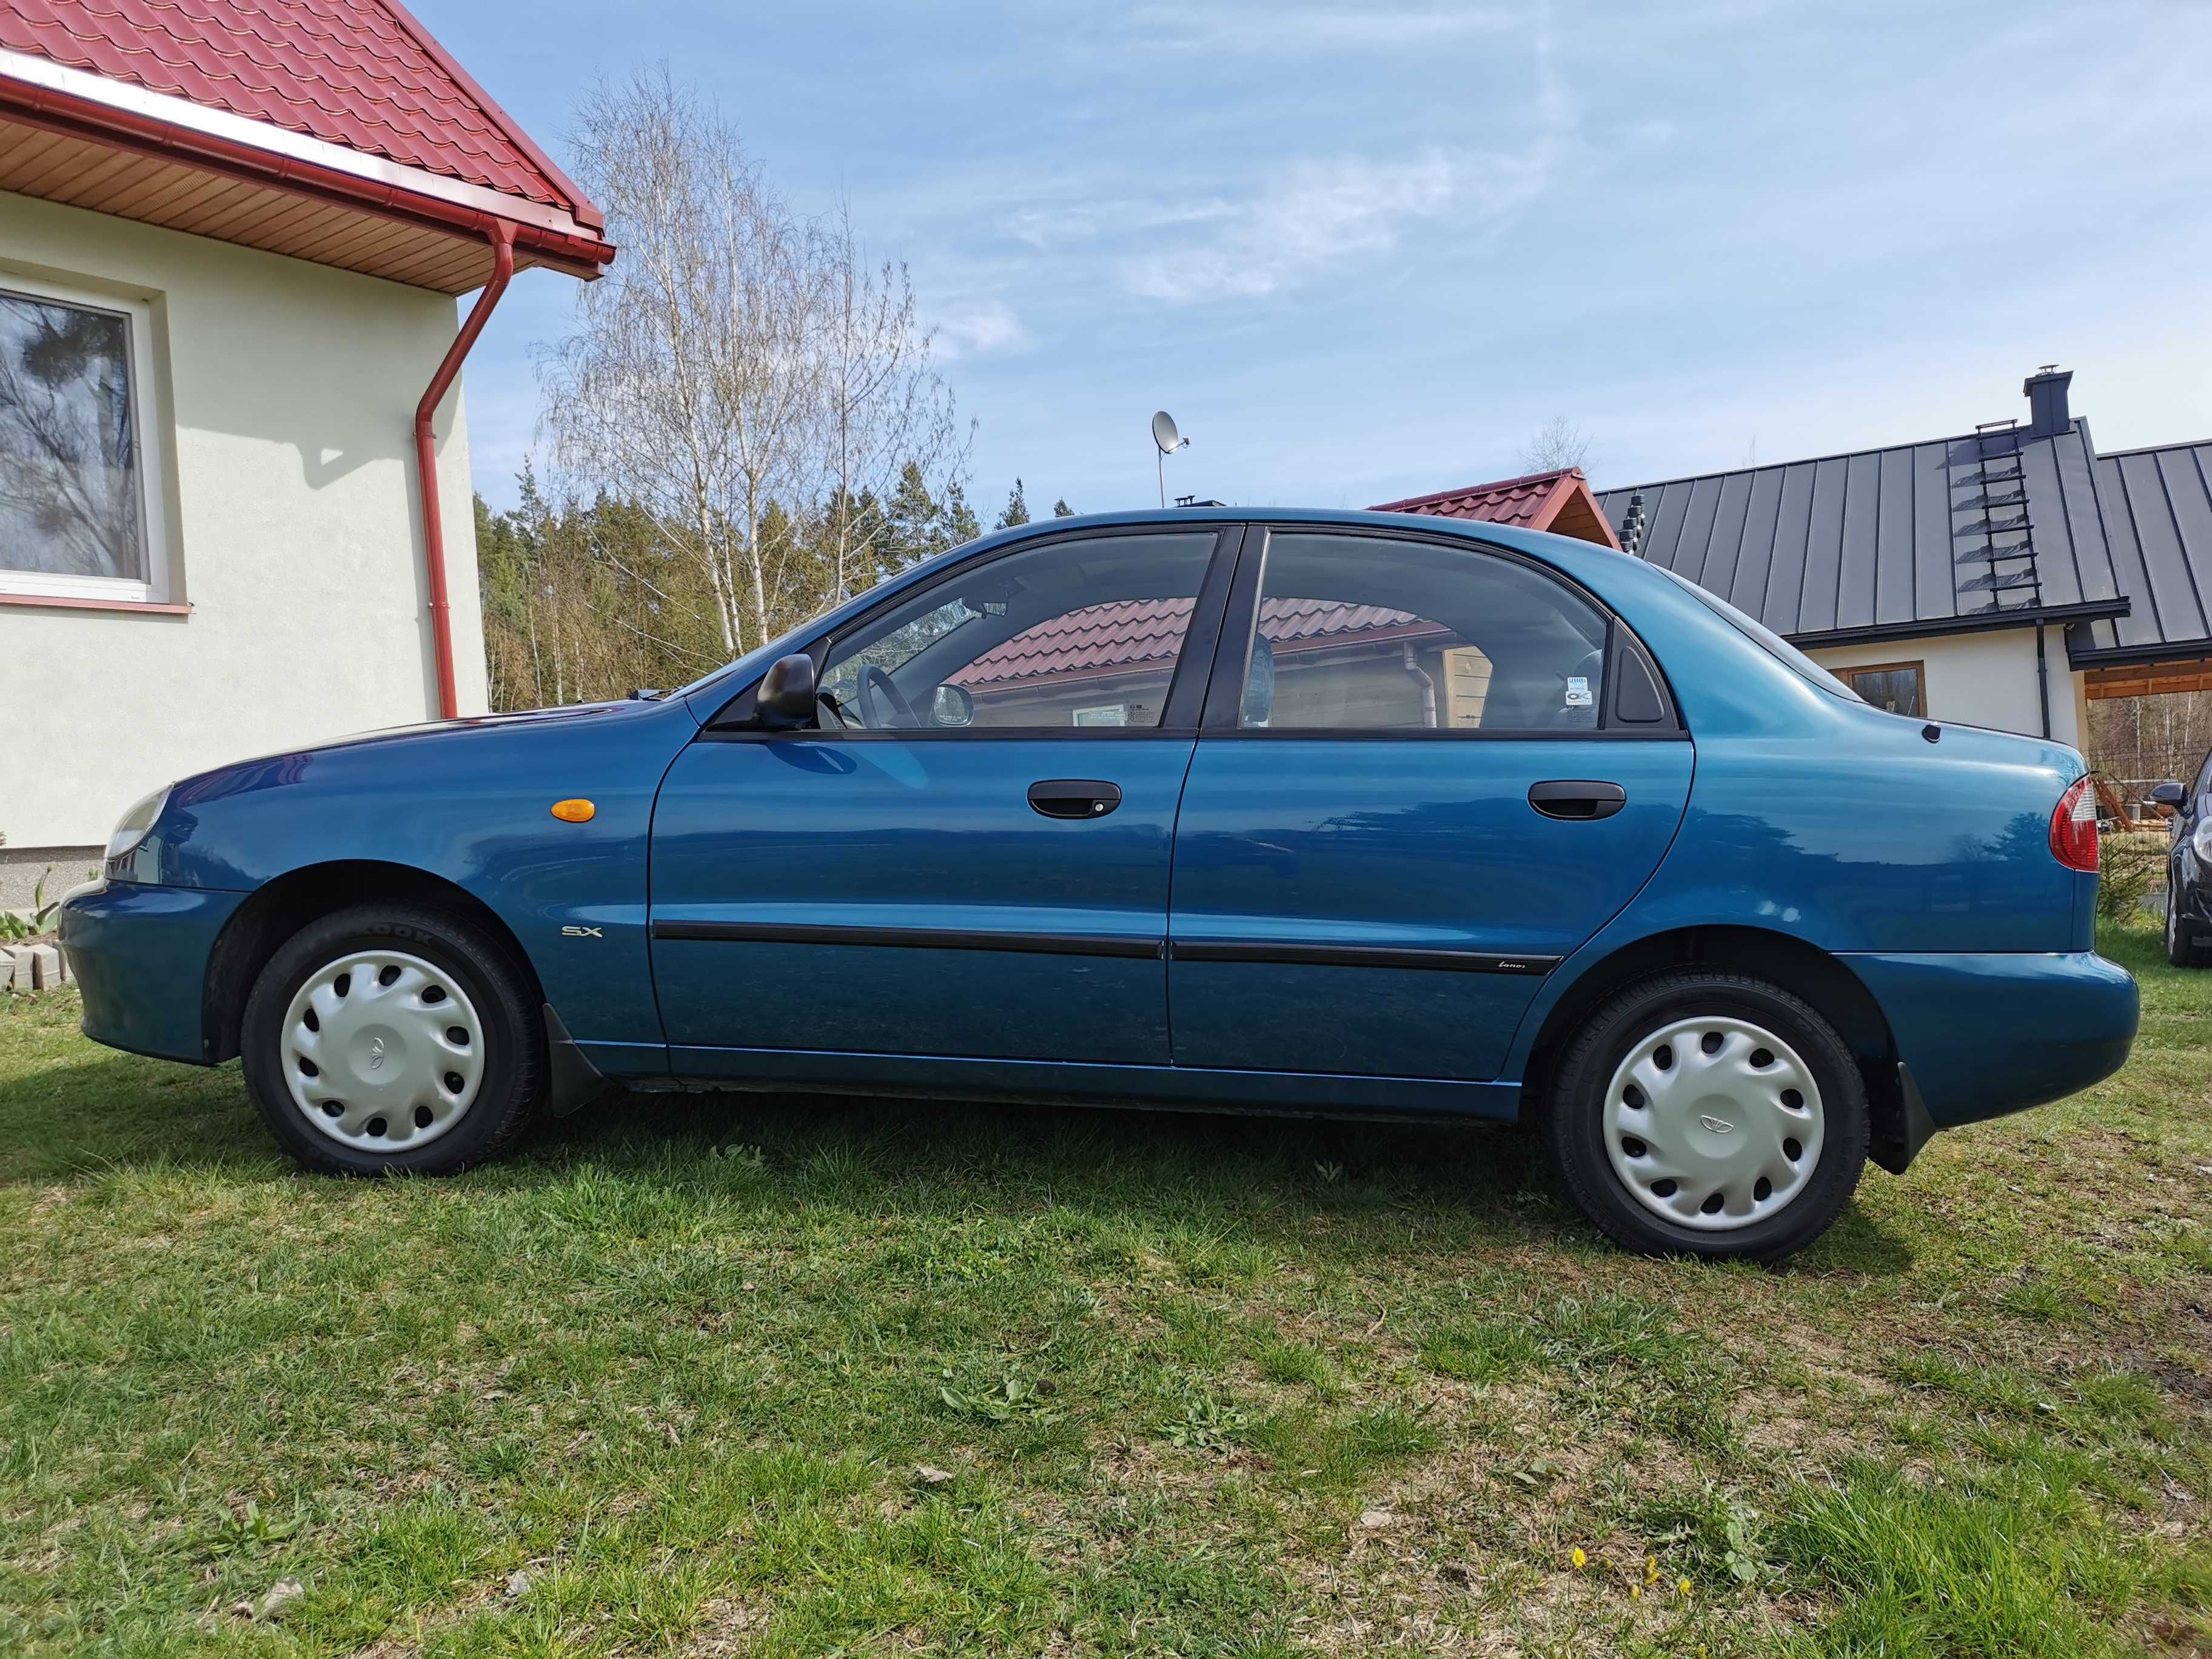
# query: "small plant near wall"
40,921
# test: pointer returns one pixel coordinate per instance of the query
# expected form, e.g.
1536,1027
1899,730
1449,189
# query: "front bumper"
140,956
1988,1033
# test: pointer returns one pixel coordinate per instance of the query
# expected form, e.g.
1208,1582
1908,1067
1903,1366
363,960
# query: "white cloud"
977,330
1320,214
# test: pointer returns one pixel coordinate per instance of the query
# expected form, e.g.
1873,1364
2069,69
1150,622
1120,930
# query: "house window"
1895,686
78,460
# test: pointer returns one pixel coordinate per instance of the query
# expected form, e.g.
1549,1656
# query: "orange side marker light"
575,811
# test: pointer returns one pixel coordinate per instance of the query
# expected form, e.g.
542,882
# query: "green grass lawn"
722,1375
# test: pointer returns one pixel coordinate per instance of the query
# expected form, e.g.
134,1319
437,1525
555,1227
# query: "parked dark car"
1328,813
2189,868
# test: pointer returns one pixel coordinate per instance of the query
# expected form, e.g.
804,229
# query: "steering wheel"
881,703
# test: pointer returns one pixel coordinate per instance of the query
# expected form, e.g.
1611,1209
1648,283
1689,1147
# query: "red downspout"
426,460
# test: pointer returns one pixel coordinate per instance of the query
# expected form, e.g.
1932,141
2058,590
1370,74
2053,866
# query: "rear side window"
1374,634
1767,639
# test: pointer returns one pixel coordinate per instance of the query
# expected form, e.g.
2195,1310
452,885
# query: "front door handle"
1577,797
1075,798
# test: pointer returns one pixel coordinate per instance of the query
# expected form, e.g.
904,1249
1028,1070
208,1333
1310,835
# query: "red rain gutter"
426,460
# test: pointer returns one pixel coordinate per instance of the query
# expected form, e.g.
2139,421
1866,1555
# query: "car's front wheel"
393,1038
2181,948
1709,1114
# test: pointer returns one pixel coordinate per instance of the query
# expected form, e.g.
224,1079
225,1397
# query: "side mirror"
2169,793
953,707
787,696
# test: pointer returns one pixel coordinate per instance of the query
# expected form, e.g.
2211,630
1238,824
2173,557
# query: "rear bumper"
140,955
1985,1035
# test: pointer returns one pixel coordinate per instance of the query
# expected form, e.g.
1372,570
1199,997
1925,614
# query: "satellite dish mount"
1167,441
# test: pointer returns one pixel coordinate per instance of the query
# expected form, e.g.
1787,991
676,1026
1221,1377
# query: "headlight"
2200,839
137,822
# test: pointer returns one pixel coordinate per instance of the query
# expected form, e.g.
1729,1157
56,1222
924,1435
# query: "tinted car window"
1358,632
1080,633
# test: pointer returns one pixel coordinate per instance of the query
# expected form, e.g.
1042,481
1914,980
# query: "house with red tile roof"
234,502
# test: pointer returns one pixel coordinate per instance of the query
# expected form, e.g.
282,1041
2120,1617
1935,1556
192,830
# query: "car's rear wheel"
1709,1114
391,1038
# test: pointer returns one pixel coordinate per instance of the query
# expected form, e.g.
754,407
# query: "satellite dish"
1164,433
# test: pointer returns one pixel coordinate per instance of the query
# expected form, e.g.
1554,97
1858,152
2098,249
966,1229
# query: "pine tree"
1017,510
1060,509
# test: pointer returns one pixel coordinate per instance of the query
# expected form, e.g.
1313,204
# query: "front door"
969,855
1429,773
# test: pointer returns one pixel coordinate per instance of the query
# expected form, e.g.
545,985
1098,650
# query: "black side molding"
910,938
1087,944
1361,956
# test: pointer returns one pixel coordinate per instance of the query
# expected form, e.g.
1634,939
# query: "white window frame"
146,439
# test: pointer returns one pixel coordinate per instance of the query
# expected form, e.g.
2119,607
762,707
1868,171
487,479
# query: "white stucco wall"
286,393
1984,679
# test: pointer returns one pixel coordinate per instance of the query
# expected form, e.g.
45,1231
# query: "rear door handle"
1577,797
1075,798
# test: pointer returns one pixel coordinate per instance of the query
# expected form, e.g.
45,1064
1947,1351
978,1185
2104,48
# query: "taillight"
2074,827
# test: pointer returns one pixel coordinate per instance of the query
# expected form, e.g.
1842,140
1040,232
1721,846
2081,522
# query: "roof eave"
39,92
1921,627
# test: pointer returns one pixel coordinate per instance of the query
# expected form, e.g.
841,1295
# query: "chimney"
2045,390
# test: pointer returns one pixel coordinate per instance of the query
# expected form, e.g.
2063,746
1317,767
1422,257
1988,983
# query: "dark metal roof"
2158,517
1888,544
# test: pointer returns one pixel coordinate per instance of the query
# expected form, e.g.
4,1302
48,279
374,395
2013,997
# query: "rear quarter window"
1767,639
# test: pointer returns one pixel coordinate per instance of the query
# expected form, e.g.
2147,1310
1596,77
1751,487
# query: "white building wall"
1984,679
286,393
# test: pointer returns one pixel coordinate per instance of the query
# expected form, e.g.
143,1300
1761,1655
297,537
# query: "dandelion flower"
1636,1592
1650,1569
1682,1588
1580,1559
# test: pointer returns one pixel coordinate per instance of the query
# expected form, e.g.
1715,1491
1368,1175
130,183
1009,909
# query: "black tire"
1574,1131
512,1086
2181,950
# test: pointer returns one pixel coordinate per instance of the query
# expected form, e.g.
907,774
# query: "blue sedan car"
1328,813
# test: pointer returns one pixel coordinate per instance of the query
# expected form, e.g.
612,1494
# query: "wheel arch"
280,908
1805,971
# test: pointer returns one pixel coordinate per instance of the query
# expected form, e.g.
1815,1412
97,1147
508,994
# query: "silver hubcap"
383,1051
1713,1123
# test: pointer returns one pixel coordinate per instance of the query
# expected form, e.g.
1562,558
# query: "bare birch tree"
740,374
884,406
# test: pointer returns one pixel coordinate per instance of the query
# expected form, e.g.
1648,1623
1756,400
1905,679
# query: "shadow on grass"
1268,1174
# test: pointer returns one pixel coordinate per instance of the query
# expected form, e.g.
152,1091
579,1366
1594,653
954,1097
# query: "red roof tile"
1523,502
359,73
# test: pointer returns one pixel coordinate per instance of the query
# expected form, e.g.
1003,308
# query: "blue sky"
1366,250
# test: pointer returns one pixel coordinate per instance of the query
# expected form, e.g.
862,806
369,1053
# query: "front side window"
1086,632
1357,633
1895,686
74,458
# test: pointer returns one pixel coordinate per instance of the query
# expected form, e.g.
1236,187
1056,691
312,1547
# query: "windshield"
1767,639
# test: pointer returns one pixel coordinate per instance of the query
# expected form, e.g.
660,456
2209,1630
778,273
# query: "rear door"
968,856
1428,773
